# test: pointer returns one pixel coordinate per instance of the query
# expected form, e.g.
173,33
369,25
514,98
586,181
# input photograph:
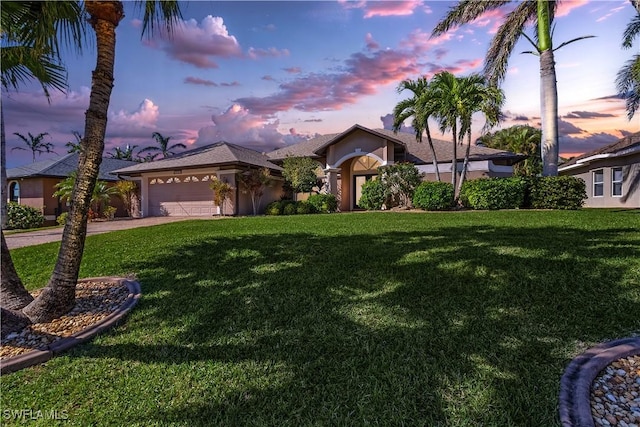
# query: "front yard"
453,319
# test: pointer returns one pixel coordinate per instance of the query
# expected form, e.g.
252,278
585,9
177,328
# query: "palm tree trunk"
433,152
549,114
3,171
454,160
59,295
13,295
12,321
463,174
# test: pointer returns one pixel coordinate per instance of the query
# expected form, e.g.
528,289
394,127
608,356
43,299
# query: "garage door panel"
181,199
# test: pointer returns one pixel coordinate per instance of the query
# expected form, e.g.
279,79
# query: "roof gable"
64,166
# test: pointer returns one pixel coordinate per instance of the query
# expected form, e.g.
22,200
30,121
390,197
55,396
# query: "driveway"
37,237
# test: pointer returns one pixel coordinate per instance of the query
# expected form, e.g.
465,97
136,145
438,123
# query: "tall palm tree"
74,147
628,78
417,107
35,143
538,13
163,147
123,154
30,31
476,96
58,297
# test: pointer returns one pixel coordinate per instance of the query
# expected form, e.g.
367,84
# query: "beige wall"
630,184
359,142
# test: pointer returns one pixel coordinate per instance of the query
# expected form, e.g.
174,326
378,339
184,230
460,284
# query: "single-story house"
611,174
34,184
179,185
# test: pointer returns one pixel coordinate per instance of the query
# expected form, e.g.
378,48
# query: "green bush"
323,203
493,193
289,207
304,208
62,218
23,217
557,192
373,195
274,208
399,181
433,196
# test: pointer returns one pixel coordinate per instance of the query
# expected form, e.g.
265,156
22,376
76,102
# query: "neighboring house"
351,158
611,174
34,184
179,185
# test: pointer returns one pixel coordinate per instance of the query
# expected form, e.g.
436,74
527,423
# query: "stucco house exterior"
179,185
34,184
611,174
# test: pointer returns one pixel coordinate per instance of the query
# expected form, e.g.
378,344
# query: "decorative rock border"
575,385
35,357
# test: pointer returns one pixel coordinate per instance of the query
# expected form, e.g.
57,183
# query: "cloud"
566,128
231,84
371,43
586,115
387,123
268,78
313,121
386,8
237,125
199,81
293,70
272,52
199,44
564,8
585,144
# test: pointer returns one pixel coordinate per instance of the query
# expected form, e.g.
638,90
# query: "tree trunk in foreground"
549,116
13,295
59,295
433,151
465,164
12,321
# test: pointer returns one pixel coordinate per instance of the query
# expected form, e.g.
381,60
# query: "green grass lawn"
441,319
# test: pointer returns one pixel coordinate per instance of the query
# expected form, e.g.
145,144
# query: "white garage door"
170,196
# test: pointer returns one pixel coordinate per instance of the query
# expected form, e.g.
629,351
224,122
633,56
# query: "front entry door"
358,181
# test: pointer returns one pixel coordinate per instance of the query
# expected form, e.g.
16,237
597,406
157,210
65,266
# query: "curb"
35,357
575,385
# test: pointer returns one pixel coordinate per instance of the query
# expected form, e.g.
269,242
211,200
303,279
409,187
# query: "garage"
181,196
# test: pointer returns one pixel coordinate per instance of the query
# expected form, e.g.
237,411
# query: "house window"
616,182
598,183
14,192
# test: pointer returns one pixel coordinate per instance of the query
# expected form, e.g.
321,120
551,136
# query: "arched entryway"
14,192
363,169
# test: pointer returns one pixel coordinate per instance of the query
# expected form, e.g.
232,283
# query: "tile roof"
62,167
220,153
418,152
628,143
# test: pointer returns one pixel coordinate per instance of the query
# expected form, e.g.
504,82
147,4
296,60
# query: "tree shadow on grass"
454,326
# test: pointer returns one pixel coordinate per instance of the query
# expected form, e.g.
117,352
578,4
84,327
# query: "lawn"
441,319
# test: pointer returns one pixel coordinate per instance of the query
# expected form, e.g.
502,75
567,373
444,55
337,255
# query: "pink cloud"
238,125
386,8
199,43
371,43
293,70
268,78
272,52
199,81
565,7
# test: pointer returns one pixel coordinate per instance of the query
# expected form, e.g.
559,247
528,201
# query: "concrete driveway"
37,237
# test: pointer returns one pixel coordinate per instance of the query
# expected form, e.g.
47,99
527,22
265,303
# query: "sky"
269,74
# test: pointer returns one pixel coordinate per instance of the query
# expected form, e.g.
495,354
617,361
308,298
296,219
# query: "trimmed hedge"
556,192
323,203
493,193
434,196
373,195
23,217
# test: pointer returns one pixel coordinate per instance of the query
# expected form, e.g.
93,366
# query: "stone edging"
35,357
575,385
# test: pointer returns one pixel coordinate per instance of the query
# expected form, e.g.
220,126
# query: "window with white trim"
598,183
616,182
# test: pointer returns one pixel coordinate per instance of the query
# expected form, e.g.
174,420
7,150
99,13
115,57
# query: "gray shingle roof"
62,167
626,143
218,154
418,152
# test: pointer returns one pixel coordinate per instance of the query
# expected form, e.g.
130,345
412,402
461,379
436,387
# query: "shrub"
62,218
23,217
373,195
109,212
274,208
399,181
557,192
304,208
493,193
289,207
434,196
323,203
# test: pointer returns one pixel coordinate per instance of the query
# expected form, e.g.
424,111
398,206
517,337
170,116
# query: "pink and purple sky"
268,74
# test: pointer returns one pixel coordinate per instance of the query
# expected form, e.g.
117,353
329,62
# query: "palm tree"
58,297
628,78
102,192
417,107
30,31
163,147
126,154
526,13
35,143
74,147
522,139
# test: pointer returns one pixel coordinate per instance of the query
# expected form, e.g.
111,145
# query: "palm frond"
628,85
631,32
465,12
162,13
572,40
